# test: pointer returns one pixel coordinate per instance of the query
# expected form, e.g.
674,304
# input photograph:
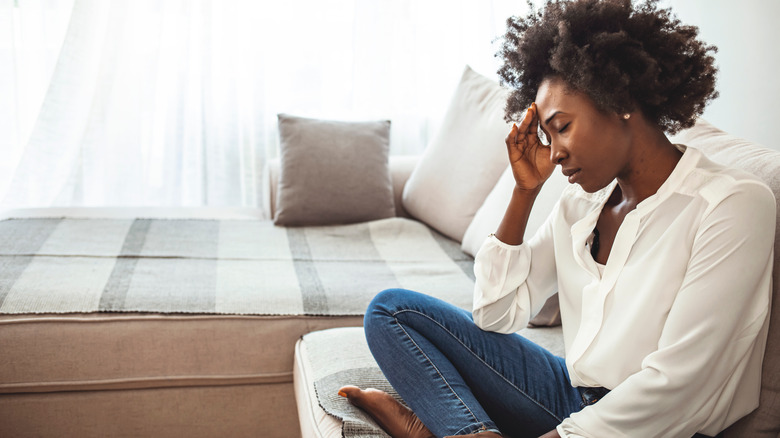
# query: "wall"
747,36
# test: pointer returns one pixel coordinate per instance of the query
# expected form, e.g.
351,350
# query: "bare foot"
396,419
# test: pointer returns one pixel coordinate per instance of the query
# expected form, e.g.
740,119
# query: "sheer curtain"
31,35
174,102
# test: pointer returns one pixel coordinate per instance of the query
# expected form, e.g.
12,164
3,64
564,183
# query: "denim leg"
459,379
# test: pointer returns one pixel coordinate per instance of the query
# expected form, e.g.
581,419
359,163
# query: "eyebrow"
547,122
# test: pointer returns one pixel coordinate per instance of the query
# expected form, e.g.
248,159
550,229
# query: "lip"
571,174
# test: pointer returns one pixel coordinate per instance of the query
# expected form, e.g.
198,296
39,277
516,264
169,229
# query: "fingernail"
342,393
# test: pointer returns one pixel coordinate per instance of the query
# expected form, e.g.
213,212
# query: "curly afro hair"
624,56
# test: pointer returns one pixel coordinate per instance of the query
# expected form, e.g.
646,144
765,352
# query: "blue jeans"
459,379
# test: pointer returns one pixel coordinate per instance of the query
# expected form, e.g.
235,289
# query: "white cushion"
463,161
489,215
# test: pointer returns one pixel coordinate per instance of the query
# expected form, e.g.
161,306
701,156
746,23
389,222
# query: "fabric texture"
731,150
333,172
464,159
221,266
699,349
489,216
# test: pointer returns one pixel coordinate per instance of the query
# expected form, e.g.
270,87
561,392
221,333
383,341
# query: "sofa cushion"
333,172
729,150
64,265
464,159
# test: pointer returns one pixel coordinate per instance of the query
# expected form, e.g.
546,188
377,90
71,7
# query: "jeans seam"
437,371
478,358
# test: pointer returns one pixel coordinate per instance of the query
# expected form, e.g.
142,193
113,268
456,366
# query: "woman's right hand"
529,158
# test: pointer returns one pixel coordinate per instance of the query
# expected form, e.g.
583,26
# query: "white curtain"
174,102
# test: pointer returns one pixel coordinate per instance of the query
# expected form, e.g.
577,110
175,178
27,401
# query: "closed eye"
560,131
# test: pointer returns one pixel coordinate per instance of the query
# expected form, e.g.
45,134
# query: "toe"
350,392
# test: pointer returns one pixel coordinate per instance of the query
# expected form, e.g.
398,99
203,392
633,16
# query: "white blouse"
676,326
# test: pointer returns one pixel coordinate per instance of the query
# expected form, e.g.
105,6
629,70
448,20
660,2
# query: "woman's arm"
504,298
512,227
531,167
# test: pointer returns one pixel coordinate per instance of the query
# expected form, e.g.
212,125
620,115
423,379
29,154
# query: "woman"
661,258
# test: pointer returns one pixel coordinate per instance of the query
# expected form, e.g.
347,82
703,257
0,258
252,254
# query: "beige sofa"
130,373
155,374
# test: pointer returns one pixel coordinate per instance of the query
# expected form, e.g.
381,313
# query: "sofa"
224,322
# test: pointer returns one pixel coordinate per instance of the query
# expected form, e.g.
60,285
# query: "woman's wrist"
525,192
512,227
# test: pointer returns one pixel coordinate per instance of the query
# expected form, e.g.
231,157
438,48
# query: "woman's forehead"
555,95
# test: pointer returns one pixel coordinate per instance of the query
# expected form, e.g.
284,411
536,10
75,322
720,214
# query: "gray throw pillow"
333,172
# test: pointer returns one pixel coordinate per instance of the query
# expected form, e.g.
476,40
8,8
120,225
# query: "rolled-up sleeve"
513,281
709,341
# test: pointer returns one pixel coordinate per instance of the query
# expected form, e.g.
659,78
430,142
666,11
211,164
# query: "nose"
557,154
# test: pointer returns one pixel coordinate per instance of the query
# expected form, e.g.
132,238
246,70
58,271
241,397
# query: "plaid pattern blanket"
61,265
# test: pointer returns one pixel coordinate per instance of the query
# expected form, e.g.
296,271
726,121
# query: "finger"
525,122
534,129
511,139
530,130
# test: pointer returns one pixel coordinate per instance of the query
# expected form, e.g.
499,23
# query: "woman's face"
591,146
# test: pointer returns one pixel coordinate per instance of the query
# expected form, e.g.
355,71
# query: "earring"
626,116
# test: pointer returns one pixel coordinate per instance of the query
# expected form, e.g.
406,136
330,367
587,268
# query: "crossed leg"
457,379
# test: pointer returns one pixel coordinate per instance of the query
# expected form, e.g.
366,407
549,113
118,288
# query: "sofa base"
115,374
266,410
